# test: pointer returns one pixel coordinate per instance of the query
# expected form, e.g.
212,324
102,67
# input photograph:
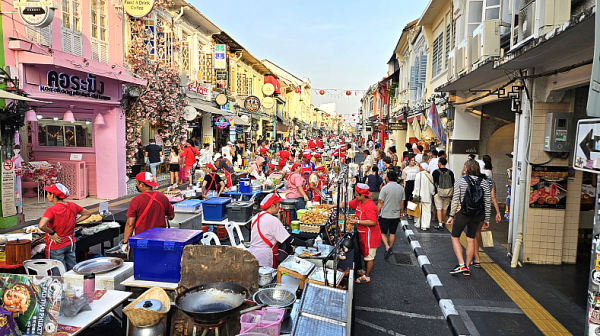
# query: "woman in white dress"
205,155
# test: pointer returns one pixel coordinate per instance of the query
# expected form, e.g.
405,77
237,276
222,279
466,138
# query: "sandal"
360,272
476,264
363,279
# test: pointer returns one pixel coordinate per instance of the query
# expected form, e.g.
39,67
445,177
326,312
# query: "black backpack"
472,203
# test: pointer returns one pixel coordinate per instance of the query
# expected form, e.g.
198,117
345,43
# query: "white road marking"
404,222
447,307
414,244
433,280
423,260
408,232
376,327
400,313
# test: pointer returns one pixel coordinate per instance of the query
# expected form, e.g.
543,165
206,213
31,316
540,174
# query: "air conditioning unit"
552,13
451,64
459,57
490,46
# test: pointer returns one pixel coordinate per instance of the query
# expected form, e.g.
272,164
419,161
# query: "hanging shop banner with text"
8,189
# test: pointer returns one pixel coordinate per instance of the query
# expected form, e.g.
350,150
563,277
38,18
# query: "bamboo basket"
142,317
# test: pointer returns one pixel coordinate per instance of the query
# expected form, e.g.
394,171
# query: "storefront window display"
64,134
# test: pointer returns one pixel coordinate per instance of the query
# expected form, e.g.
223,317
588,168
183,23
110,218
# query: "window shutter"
95,52
103,52
413,78
66,40
78,44
41,36
423,69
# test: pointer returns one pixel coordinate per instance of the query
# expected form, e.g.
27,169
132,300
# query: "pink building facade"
76,63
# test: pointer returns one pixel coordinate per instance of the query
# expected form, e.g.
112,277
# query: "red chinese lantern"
297,90
373,92
348,93
322,92
353,114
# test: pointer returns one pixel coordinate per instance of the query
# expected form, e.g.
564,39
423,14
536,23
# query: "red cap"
317,155
58,190
296,165
320,167
269,200
272,166
210,166
363,189
147,178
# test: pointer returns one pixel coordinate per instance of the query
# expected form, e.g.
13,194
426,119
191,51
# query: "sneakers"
388,253
439,227
460,269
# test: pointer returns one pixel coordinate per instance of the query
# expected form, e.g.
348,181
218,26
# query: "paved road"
398,300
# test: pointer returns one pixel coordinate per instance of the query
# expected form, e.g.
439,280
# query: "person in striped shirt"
469,224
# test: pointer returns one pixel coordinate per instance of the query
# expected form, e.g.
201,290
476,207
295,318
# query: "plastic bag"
74,302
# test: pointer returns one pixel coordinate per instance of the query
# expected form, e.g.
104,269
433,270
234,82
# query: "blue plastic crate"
215,209
157,253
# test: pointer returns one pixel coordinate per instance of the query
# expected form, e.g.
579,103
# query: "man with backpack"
471,204
443,180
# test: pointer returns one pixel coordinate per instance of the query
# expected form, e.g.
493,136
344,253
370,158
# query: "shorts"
441,203
388,225
174,168
471,223
372,253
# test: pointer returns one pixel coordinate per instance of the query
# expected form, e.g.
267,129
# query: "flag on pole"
434,121
417,129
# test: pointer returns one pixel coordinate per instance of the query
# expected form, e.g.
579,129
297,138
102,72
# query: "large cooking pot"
212,302
288,204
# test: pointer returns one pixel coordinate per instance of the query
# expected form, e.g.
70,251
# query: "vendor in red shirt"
189,157
58,222
320,143
284,155
146,210
312,144
369,233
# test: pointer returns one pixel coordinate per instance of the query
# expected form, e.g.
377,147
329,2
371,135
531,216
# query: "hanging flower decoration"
161,102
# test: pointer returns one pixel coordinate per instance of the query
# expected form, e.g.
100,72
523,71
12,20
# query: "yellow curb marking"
532,309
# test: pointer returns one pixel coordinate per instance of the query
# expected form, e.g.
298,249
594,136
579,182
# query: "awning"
400,118
568,44
239,122
282,128
373,118
8,95
208,108
484,74
410,119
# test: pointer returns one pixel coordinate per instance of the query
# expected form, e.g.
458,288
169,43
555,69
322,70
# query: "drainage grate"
402,258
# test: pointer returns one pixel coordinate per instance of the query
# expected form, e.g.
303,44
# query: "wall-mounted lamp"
69,115
99,119
31,116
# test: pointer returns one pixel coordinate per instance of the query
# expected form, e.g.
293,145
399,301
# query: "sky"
337,44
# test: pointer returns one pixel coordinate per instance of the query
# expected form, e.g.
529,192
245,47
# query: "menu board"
548,187
34,302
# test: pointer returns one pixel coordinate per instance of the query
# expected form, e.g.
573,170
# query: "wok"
212,302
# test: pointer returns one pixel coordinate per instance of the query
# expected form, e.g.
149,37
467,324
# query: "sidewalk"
498,299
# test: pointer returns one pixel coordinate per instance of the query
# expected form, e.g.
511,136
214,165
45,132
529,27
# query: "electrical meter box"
556,136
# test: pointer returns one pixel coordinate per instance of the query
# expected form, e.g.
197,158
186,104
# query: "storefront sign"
8,189
221,99
268,89
222,122
72,85
268,128
220,56
268,103
36,13
254,127
190,113
252,104
464,146
221,77
548,187
201,89
138,8
396,127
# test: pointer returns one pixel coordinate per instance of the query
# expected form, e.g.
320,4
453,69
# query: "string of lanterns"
337,92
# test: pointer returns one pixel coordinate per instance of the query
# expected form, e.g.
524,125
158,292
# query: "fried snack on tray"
17,299
93,218
314,217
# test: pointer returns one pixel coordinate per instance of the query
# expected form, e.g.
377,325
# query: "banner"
417,129
8,189
434,121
